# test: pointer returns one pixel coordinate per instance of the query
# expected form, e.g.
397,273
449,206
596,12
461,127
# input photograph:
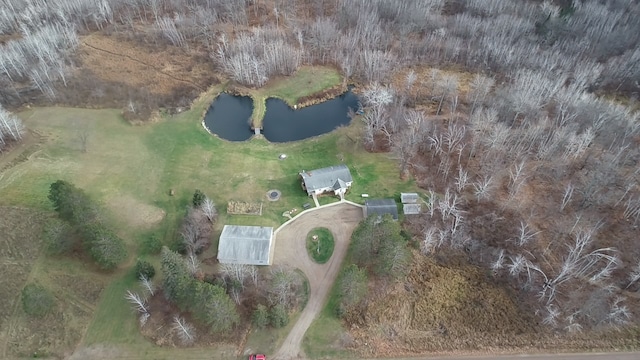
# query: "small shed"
381,207
411,209
250,245
333,179
409,198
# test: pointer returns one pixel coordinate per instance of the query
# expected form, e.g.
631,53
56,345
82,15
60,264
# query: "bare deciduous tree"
185,331
236,272
138,303
209,209
147,285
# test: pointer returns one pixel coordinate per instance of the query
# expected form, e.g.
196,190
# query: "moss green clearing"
306,81
321,249
140,164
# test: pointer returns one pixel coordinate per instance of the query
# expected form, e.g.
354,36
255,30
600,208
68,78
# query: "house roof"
411,209
245,244
409,198
381,207
334,177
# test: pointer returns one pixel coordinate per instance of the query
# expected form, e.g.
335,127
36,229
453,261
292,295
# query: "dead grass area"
442,307
134,212
161,70
76,293
423,94
244,208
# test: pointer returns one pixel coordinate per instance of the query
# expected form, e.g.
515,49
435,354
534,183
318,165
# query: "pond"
282,123
228,117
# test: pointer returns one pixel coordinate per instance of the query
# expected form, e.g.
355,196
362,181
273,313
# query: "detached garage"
249,245
381,207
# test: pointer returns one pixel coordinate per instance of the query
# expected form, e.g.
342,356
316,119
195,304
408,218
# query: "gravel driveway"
290,250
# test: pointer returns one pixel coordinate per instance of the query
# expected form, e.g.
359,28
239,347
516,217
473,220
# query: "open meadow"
132,172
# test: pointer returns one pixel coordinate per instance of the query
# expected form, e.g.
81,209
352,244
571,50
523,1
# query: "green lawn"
130,171
321,248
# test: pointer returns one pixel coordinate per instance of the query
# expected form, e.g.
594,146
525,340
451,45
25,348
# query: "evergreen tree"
260,316
378,245
144,269
177,281
279,316
198,198
104,246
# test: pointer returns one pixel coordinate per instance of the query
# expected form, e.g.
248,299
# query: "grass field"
321,248
307,80
130,171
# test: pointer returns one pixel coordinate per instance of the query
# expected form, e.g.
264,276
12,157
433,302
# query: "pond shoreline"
227,117
305,101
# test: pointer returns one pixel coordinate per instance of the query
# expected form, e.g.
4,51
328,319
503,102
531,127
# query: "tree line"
378,250
11,128
79,221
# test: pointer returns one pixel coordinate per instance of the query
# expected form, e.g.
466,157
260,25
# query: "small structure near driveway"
410,204
249,245
333,179
380,207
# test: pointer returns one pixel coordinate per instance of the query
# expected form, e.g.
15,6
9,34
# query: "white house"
250,245
334,179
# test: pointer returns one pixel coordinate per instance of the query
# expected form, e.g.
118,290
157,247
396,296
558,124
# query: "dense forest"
519,119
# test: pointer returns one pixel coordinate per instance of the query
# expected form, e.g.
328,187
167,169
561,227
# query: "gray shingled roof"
381,207
245,244
328,177
409,198
411,209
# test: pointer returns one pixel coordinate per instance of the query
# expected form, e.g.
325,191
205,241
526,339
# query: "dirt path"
290,250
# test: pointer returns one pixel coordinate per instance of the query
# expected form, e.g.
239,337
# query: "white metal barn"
249,245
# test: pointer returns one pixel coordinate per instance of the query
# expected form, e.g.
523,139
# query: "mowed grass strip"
320,244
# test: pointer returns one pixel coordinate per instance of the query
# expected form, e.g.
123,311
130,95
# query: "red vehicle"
258,357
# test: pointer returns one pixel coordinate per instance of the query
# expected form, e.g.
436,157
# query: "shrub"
37,300
151,245
279,316
260,316
144,268
198,198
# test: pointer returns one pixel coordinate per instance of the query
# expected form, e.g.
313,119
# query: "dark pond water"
282,123
228,117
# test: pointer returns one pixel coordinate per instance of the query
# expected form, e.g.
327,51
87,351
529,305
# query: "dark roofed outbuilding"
381,207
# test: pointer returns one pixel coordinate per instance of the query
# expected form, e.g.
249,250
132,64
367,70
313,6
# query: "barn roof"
409,198
411,209
334,177
245,244
382,207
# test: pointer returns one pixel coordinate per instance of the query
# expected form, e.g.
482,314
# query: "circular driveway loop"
290,250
